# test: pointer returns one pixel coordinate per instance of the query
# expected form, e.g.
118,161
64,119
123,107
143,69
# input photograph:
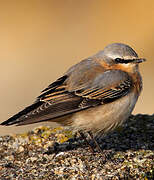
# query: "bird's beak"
138,60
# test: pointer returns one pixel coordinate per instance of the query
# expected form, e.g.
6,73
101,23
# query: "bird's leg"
87,142
96,143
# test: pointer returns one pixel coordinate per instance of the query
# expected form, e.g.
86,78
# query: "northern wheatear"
95,95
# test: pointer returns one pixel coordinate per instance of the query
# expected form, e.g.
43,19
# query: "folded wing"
75,92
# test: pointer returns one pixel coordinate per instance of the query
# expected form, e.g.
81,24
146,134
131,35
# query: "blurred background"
40,40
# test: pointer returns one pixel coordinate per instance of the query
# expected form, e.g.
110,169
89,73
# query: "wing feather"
109,85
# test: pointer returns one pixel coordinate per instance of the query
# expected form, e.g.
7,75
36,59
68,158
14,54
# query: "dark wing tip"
11,121
15,119
5,123
8,122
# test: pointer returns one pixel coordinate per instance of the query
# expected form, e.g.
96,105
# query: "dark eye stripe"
119,60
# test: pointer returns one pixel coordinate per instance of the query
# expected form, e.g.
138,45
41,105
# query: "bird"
95,95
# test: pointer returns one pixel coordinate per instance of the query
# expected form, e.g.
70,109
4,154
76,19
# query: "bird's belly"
105,117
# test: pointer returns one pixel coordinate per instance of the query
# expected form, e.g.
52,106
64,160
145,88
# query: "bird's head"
121,56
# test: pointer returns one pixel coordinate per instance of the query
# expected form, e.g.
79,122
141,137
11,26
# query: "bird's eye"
119,60
124,61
